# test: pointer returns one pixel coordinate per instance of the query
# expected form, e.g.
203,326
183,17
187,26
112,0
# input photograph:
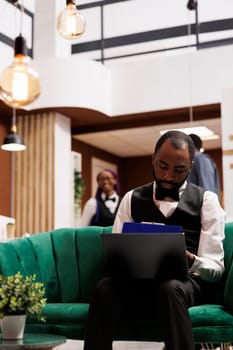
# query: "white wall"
148,84
63,205
6,58
73,82
163,81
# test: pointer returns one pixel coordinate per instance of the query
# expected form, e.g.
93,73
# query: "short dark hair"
197,141
178,140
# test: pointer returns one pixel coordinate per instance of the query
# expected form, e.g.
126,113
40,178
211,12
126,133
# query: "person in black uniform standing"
101,209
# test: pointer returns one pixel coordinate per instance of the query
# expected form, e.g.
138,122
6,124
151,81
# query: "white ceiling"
140,141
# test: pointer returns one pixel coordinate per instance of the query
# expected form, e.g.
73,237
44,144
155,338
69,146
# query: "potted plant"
79,189
19,296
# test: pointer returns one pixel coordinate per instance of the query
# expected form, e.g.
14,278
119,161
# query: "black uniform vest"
187,214
103,216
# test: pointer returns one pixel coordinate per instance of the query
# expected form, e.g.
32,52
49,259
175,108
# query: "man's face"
171,166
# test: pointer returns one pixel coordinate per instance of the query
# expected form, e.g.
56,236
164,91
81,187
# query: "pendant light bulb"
70,22
19,83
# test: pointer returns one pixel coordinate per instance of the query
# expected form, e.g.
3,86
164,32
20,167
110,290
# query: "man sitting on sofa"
171,200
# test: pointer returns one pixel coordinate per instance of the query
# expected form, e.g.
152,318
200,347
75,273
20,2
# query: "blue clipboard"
132,227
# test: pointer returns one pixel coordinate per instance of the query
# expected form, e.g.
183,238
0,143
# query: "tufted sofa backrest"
34,255
68,261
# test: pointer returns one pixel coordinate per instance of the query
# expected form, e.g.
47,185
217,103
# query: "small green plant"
79,188
21,295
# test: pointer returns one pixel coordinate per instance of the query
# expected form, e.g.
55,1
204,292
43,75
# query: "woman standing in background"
101,209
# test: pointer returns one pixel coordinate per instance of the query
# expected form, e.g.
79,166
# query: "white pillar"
63,181
227,150
47,42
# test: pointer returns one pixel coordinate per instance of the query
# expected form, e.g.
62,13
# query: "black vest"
187,214
103,216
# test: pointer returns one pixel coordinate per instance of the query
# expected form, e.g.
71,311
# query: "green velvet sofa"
70,262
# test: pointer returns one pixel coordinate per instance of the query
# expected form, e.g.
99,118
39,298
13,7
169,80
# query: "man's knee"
171,287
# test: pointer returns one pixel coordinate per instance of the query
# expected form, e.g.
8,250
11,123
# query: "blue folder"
135,227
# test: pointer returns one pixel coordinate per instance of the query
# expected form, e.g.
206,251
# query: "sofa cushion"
61,313
66,319
210,315
211,324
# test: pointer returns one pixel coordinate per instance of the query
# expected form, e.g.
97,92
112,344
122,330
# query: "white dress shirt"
208,264
90,208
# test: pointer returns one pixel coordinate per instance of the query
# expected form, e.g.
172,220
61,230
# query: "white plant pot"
12,326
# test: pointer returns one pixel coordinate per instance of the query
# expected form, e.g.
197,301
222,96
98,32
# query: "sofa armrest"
228,293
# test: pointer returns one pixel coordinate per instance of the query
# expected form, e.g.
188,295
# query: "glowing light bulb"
19,83
70,22
20,86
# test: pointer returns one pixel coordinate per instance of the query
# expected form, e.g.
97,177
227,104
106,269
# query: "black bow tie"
172,193
110,199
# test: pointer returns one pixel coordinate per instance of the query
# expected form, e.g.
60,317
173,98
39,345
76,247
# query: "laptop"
145,256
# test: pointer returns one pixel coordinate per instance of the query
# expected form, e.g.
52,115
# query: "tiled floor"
122,345
137,346
119,345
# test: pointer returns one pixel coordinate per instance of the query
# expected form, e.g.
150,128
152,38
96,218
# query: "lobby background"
36,186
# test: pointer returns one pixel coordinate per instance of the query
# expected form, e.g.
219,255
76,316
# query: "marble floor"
119,345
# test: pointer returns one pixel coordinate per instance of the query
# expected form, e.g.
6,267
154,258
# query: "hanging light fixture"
19,83
70,22
13,141
192,4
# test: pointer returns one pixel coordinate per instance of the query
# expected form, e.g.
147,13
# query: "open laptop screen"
145,256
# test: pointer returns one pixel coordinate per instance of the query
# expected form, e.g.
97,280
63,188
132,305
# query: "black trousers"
166,301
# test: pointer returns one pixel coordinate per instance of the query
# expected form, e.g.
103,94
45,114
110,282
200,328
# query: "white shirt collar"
103,196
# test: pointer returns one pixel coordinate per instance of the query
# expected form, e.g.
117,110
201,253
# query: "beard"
159,182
